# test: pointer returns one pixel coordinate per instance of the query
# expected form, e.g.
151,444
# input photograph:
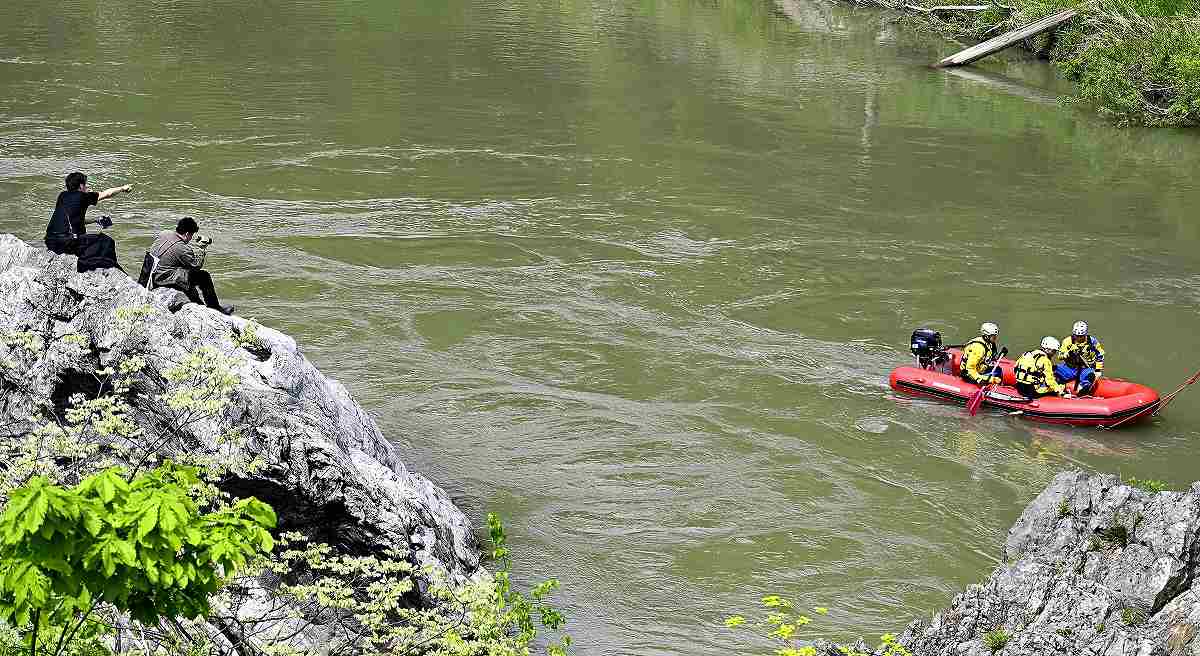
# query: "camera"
203,240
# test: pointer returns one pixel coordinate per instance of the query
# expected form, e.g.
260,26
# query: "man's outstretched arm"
109,193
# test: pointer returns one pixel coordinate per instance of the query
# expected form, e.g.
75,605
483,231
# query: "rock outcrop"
326,468
1095,567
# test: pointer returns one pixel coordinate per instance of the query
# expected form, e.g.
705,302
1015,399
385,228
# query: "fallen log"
996,44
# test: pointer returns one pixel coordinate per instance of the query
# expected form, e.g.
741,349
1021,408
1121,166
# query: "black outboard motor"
927,348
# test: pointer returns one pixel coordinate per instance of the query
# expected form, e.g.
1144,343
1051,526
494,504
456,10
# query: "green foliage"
200,388
1064,508
1115,534
483,617
129,316
889,646
1133,616
247,338
996,639
66,446
23,340
784,624
1164,8
1136,60
1150,485
86,642
141,546
1139,62
514,608
96,432
202,383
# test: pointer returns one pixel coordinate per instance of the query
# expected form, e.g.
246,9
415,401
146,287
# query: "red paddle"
976,399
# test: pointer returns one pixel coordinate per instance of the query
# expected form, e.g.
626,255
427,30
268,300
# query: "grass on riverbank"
1136,61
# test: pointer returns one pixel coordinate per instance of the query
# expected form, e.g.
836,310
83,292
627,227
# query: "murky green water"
633,274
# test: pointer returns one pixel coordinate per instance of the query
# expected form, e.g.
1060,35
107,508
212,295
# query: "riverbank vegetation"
1136,61
106,546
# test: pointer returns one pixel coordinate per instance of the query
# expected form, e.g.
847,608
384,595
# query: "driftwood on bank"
996,44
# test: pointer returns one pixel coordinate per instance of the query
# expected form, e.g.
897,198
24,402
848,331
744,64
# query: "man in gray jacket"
179,262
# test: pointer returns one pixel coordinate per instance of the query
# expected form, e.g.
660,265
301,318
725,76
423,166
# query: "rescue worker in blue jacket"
980,362
1035,371
1082,358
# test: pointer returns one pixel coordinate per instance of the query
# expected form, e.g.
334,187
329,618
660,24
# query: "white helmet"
1079,329
989,329
1050,344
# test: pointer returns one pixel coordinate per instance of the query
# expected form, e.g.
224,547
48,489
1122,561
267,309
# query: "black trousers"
95,251
199,282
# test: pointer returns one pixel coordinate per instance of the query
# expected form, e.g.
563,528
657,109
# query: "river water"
633,274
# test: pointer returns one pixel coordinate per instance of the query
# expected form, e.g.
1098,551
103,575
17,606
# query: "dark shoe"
227,309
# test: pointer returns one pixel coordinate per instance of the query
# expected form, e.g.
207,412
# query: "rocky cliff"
1093,566
324,465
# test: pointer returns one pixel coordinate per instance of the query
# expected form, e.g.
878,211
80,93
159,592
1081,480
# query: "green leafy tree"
142,547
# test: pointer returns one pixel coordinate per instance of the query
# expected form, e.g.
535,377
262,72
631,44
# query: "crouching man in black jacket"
180,254
67,230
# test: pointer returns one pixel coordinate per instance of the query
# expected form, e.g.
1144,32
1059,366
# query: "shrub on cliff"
370,595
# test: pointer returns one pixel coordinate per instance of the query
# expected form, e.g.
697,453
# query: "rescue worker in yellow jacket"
980,358
1082,358
1035,371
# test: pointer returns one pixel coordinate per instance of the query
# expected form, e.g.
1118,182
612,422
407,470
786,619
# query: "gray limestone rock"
327,469
1094,567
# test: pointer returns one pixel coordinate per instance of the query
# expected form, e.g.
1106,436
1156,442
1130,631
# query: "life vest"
989,353
1031,369
1088,354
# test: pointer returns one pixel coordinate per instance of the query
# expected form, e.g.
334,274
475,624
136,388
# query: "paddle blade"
975,401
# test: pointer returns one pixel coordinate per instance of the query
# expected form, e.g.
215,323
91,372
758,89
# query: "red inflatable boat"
1113,403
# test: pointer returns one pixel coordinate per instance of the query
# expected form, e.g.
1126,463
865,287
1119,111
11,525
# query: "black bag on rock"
149,264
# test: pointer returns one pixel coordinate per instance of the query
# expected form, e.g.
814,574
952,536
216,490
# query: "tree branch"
64,639
236,638
37,619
